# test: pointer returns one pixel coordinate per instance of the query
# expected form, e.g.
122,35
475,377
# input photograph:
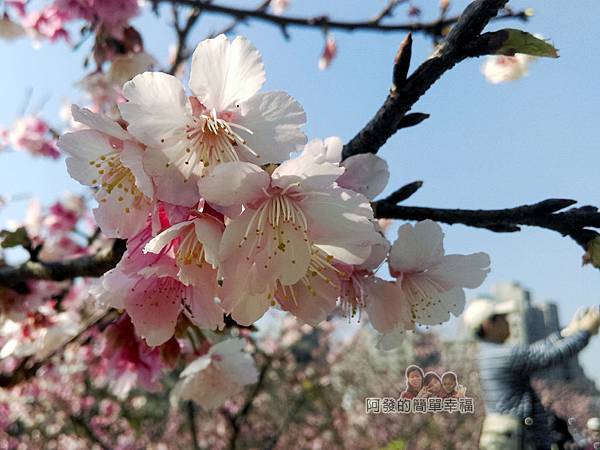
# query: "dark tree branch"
574,222
85,266
434,28
454,49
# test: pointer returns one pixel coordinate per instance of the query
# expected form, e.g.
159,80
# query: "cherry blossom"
296,220
129,360
218,375
146,285
107,157
500,68
226,119
31,134
427,280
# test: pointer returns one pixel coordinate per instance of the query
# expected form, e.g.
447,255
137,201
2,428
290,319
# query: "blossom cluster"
221,220
108,17
32,135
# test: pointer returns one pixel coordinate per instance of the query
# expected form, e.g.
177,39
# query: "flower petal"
154,305
275,120
200,303
385,304
417,248
157,107
84,147
467,271
99,122
132,158
223,74
307,172
234,183
366,174
329,150
160,241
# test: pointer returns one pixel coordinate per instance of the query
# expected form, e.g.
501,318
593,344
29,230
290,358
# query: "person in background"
414,382
516,419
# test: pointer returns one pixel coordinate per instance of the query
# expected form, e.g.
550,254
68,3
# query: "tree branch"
574,222
453,50
85,266
434,28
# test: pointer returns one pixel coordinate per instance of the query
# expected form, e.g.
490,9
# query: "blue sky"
484,146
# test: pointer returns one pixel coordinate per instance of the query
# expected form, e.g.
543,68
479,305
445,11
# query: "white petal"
170,184
157,243
366,173
250,308
275,120
386,305
305,171
121,214
417,248
132,157
84,146
234,183
341,219
209,232
467,271
157,107
329,150
223,74
99,122
202,309
429,305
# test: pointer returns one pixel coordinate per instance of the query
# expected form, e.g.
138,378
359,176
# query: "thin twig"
320,22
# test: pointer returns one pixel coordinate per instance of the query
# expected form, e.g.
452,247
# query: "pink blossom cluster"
221,220
31,134
109,16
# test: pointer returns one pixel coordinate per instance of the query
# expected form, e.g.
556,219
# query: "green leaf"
14,238
593,253
522,42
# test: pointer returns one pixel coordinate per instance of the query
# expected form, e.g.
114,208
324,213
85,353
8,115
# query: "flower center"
190,251
116,179
212,140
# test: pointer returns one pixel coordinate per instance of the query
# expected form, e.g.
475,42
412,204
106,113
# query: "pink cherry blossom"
106,156
48,23
146,285
428,280
129,360
226,119
364,173
33,135
218,375
296,220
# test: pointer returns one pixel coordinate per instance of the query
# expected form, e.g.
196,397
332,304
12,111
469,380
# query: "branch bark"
574,222
85,266
454,49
